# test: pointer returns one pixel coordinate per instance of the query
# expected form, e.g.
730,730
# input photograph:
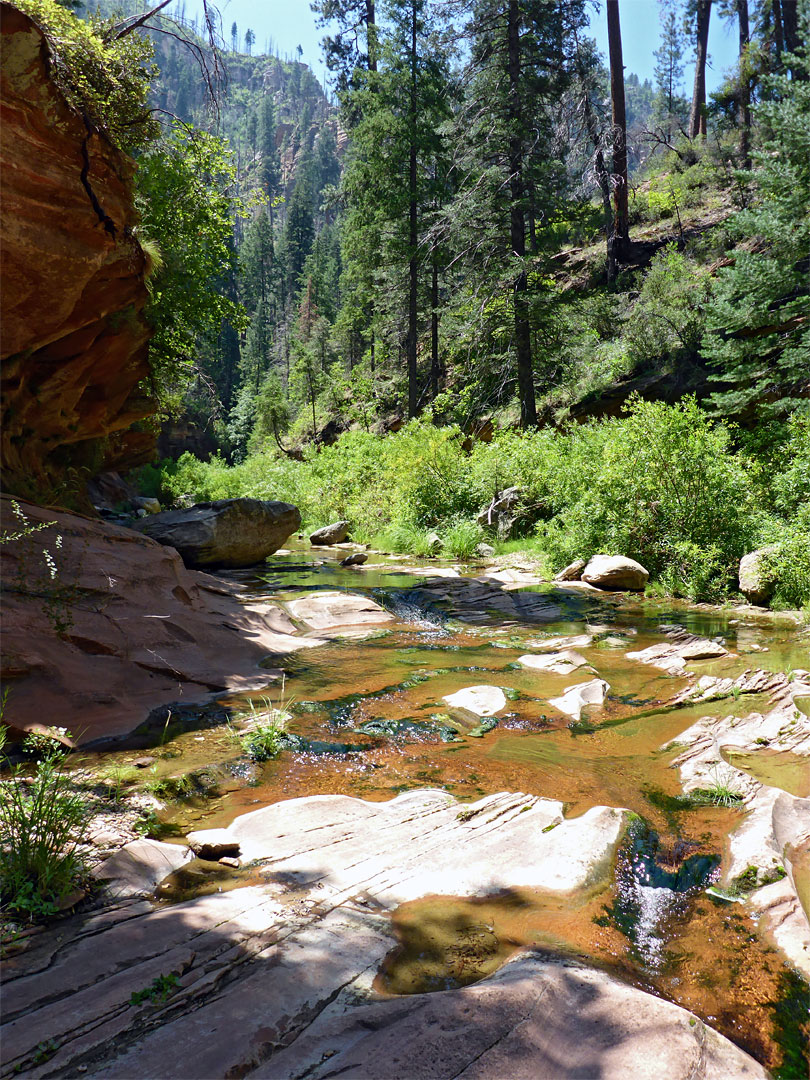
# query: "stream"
371,723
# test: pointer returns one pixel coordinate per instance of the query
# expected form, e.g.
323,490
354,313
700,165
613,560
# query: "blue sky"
286,24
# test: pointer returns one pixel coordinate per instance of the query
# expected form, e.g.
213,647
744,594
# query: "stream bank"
384,647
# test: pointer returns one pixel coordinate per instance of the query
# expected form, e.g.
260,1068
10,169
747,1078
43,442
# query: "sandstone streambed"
366,709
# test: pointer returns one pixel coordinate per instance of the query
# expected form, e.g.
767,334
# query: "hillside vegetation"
489,236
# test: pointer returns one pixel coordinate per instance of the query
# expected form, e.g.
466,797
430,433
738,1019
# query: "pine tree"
759,319
669,64
269,172
521,58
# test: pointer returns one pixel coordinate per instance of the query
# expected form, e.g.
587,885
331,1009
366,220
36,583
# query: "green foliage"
104,78
758,321
159,990
41,821
462,538
787,567
186,207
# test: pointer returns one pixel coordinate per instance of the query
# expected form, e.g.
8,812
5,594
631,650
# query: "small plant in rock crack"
267,724
159,990
718,793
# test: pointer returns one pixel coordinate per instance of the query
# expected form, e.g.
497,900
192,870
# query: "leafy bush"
106,80
40,828
787,568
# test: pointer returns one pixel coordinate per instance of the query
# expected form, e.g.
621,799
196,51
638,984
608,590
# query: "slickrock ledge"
275,980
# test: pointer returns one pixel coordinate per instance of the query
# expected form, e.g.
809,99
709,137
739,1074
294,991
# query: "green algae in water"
791,1027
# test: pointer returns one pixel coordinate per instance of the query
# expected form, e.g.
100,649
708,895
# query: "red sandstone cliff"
74,339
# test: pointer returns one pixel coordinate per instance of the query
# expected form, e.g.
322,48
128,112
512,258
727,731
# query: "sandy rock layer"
275,979
74,347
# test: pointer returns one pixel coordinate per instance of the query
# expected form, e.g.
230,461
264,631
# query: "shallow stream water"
371,712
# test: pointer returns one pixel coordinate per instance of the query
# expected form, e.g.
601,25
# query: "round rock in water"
335,533
615,572
228,532
480,700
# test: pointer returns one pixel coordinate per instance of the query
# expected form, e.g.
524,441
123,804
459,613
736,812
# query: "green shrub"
105,80
462,538
787,569
40,828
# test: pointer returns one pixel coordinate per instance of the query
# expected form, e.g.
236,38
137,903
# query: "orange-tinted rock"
122,628
74,343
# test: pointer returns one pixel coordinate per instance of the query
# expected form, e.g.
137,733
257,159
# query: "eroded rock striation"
277,979
74,344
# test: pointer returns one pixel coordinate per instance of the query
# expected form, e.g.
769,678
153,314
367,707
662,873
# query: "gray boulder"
754,584
228,532
434,543
357,559
335,533
572,572
615,572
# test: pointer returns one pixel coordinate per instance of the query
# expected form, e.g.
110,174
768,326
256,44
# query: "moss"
790,1026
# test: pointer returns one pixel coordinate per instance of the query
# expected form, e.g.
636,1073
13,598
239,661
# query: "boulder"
139,866
615,572
753,582
212,843
144,502
576,698
480,700
357,559
228,532
434,543
572,572
335,533
562,663
485,551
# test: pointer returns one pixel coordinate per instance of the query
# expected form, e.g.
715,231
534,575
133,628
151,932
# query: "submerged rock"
615,572
563,663
335,533
357,559
480,700
228,532
578,697
331,611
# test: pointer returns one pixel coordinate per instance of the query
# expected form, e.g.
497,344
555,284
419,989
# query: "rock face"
228,532
121,629
74,345
615,572
572,572
335,533
753,583
276,979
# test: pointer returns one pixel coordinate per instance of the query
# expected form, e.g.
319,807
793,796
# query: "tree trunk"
371,35
697,114
413,234
619,240
778,40
434,331
517,231
744,104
